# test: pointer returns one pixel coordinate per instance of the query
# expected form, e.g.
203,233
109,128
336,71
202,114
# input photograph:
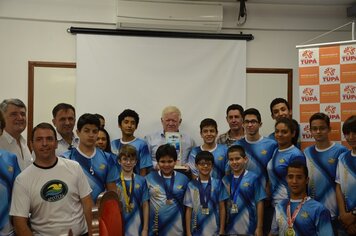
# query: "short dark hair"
127,150
128,113
86,119
236,148
349,125
100,116
43,125
252,111
166,150
235,107
204,155
108,146
320,116
208,122
62,106
300,165
277,101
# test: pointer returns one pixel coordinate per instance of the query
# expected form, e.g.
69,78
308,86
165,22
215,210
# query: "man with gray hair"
15,117
171,120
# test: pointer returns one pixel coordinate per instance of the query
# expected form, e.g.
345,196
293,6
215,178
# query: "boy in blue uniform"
300,215
98,166
204,199
346,179
322,159
209,132
166,188
9,169
134,194
128,121
245,206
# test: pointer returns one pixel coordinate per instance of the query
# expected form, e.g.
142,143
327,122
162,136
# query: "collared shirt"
157,139
63,146
22,152
226,139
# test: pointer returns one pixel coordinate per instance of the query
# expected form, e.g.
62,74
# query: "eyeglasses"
127,160
202,163
252,122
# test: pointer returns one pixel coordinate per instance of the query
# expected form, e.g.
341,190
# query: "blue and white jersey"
277,171
322,172
221,165
205,224
251,191
133,220
99,168
167,219
346,177
312,219
144,159
259,153
9,169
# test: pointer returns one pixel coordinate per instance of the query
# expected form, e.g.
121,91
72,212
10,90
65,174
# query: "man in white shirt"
64,121
12,141
53,190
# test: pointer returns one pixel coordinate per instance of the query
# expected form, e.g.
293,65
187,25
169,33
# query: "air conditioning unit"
169,15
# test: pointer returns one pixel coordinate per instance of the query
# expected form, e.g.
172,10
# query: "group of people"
238,183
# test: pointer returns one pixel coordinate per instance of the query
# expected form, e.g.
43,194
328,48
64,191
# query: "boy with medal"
247,193
134,193
166,188
300,215
205,200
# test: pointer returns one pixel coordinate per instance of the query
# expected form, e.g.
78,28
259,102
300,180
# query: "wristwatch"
354,212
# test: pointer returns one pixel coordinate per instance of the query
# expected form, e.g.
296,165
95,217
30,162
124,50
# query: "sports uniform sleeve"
323,223
20,203
113,171
145,157
191,162
145,194
188,201
223,195
260,193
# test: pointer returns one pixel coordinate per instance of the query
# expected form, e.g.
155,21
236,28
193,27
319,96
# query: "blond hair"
171,109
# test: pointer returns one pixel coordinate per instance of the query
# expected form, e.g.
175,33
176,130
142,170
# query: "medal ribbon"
127,194
295,213
204,194
168,189
235,187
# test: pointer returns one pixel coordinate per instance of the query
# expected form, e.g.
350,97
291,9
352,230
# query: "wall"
36,30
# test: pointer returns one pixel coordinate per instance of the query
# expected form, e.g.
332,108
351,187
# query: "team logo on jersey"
331,160
263,152
10,169
282,161
304,214
246,184
54,190
102,166
220,158
137,186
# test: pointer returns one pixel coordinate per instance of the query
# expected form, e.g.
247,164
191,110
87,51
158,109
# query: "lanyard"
290,218
127,194
168,189
235,187
204,194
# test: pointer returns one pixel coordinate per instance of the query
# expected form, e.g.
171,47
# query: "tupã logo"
349,93
308,95
331,111
306,132
330,75
308,58
349,54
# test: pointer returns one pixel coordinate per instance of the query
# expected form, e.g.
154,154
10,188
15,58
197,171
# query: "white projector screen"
200,76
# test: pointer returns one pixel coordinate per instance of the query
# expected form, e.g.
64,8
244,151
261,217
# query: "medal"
234,209
128,192
168,188
205,211
290,232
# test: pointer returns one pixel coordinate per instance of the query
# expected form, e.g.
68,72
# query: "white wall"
36,30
